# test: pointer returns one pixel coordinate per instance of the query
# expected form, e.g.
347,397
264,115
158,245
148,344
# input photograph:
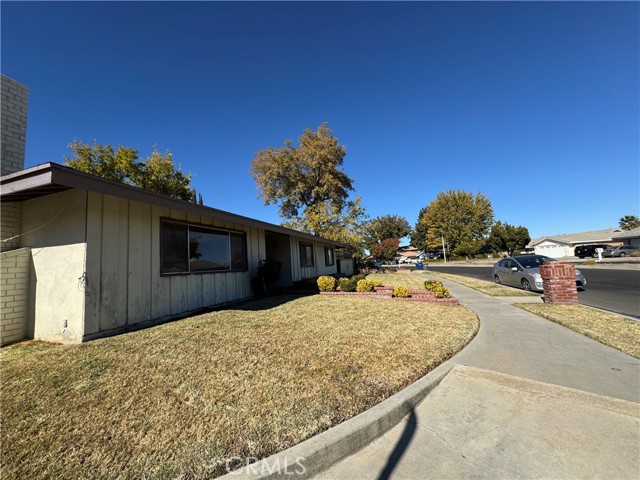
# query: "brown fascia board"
55,174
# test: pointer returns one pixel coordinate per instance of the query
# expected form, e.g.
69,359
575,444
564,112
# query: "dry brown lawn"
490,288
179,399
610,329
404,279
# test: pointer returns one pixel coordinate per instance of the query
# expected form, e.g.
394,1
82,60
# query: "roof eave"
53,174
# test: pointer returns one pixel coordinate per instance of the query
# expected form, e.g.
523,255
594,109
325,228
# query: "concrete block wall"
559,283
14,294
9,225
13,119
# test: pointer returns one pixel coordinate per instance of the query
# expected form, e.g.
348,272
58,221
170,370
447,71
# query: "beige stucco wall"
14,301
54,228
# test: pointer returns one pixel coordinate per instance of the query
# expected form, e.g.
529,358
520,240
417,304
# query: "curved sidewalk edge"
317,453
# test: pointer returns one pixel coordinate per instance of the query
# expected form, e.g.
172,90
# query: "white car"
523,272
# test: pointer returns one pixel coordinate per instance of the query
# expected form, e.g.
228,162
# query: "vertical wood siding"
123,266
318,268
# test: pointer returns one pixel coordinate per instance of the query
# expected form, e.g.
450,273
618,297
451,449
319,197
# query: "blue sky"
534,104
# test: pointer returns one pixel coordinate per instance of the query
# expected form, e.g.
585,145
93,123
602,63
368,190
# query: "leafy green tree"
305,176
345,225
462,218
629,222
311,189
508,238
104,161
384,227
419,232
386,250
157,173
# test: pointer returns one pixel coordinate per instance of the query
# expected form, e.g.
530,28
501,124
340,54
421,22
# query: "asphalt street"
609,289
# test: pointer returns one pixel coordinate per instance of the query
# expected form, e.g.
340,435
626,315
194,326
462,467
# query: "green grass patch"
610,329
484,286
178,400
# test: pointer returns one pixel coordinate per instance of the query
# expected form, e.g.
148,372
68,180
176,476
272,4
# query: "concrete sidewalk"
519,343
496,419
482,424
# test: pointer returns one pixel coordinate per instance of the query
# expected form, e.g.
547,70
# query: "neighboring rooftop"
633,233
606,235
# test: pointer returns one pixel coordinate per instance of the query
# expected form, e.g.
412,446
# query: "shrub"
358,277
347,285
438,290
442,292
365,286
400,291
377,283
326,284
430,284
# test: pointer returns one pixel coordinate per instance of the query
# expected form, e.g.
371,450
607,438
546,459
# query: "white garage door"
555,251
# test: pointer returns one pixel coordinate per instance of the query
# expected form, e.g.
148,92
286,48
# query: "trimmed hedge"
365,286
347,284
438,289
326,283
400,291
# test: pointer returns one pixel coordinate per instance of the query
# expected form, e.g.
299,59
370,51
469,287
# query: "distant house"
629,237
409,254
559,246
86,256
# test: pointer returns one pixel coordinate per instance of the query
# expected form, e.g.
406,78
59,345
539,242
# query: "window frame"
303,245
212,229
329,252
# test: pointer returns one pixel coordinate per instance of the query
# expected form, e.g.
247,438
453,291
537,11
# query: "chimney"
13,123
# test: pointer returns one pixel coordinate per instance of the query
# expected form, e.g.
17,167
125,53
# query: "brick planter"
363,294
384,290
559,283
387,292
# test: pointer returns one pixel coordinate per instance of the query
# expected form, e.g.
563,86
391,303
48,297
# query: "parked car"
434,254
524,272
582,251
621,251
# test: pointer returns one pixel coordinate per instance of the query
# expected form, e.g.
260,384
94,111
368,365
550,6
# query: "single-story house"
629,237
85,257
559,246
409,254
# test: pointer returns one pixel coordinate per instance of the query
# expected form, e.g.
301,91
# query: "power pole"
444,250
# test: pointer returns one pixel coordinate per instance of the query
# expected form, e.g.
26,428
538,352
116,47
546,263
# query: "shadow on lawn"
266,303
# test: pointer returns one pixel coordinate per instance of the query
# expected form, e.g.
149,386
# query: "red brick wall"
559,283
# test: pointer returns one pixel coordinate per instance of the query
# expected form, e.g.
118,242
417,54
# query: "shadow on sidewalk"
401,446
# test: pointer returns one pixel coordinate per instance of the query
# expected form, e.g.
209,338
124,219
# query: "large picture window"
306,255
194,248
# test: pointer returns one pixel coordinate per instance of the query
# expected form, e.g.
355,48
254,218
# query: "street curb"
321,451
